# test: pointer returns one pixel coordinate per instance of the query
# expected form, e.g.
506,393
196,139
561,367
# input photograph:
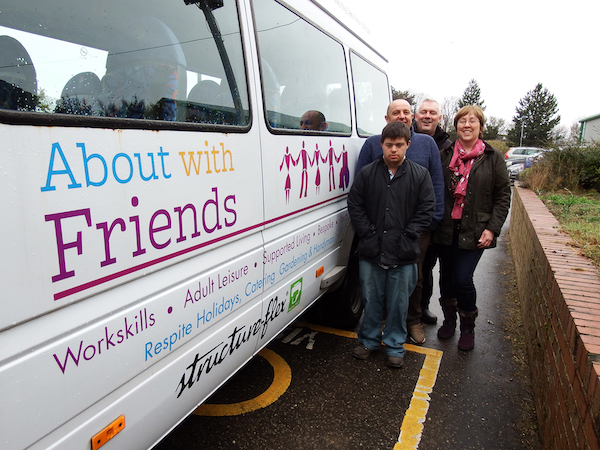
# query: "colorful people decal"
307,162
287,160
315,161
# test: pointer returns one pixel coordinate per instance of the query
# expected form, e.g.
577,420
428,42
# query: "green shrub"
573,168
589,168
499,145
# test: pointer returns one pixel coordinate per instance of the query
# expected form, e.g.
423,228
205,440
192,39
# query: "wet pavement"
306,391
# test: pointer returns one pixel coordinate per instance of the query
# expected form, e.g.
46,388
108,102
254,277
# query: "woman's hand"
486,239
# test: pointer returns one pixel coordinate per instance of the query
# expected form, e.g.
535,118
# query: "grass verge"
579,216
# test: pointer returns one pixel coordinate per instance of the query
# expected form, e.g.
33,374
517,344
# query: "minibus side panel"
91,209
147,258
176,385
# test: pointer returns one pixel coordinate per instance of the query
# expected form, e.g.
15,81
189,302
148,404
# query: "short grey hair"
430,100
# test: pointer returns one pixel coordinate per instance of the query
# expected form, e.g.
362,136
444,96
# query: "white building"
590,129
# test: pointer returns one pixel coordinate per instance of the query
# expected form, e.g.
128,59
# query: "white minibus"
173,179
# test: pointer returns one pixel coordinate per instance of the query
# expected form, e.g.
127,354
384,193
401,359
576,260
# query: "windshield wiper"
207,7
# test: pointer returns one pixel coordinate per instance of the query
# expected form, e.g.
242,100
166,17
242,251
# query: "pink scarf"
461,164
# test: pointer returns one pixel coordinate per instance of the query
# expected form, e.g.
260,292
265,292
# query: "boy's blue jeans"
383,288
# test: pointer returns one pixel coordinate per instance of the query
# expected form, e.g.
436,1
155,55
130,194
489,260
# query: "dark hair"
395,130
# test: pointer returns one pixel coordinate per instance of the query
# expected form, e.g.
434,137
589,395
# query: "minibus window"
303,71
371,96
152,59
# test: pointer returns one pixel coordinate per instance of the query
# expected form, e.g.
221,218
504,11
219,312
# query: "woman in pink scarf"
477,198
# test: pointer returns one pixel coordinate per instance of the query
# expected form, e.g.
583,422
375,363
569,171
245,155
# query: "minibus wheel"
343,307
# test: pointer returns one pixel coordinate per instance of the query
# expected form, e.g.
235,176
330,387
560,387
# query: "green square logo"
295,294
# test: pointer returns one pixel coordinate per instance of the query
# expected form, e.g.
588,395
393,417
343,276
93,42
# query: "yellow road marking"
414,418
282,377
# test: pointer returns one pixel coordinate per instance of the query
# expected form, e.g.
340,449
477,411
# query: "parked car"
523,152
515,166
521,158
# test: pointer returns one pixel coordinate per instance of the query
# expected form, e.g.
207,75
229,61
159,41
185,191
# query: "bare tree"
494,127
418,97
449,109
566,136
575,133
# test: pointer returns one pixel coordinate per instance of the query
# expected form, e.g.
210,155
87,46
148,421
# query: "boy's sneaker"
417,336
361,352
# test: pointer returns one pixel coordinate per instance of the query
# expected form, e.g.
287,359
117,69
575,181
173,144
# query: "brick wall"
560,303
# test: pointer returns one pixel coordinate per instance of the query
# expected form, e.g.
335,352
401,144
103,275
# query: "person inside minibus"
313,120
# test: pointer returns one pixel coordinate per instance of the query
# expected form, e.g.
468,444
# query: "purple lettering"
214,202
153,229
107,232
128,329
93,352
61,246
69,353
217,212
229,210
108,338
138,238
180,212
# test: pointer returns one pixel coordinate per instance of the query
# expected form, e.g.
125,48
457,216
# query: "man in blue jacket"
423,151
390,203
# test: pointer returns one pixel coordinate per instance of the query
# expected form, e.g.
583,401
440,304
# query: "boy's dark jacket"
389,214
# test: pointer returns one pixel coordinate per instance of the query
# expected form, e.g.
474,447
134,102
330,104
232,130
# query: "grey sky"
436,47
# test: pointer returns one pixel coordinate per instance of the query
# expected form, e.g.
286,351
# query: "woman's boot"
449,309
467,330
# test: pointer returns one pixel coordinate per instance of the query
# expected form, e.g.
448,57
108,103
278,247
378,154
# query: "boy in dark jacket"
390,203
424,151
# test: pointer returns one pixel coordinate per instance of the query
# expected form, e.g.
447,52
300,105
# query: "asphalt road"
306,391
